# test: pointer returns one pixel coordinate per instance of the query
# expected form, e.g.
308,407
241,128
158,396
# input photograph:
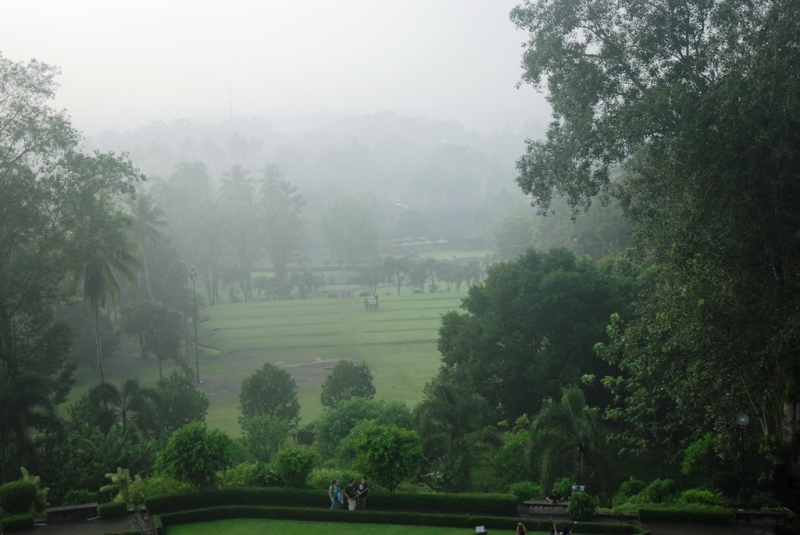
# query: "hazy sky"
128,63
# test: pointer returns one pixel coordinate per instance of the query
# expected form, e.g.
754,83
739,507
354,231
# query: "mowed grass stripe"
307,337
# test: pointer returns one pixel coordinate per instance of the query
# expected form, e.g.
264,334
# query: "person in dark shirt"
361,496
350,494
554,497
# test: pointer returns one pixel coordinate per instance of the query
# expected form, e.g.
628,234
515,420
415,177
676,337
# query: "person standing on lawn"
361,496
350,493
335,494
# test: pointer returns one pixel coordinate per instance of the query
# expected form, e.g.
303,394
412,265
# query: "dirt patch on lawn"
308,375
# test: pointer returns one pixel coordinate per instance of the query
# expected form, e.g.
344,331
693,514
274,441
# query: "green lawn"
307,337
248,526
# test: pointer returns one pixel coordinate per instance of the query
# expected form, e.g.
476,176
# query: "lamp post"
743,420
193,273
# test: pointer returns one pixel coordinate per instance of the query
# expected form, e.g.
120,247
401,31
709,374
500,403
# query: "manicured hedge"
378,517
17,497
695,515
112,510
16,523
487,504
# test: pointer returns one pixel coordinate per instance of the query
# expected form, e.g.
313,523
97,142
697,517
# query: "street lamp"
743,420
193,273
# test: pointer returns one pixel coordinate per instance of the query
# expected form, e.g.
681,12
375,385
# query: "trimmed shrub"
526,490
696,515
16,523
381,517
488,504
700,497
581,506
17,497
112,510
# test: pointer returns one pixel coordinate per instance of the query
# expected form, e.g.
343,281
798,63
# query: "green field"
248,526
307,337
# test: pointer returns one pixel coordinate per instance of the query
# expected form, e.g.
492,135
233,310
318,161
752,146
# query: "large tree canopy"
46,184
530,329
698,100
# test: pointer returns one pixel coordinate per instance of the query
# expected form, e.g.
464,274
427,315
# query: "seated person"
521,529
554,497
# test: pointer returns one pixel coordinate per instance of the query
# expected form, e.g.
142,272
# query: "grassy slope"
307,337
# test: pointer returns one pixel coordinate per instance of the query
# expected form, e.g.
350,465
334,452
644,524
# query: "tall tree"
285,230
132,403
569,442
270,390
449,419
180,402
395,268
700,102
150,222
101,252
347,380
238,200
531,328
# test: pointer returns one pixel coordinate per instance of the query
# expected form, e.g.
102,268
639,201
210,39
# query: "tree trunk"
97,345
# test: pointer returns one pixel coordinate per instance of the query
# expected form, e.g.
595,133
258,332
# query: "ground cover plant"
307,338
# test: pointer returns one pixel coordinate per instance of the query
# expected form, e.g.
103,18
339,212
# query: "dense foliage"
698,102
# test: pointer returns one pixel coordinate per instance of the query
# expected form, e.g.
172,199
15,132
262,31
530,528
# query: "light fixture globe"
743,420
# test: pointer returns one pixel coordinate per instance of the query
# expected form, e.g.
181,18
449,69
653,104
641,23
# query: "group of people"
371,303
355,496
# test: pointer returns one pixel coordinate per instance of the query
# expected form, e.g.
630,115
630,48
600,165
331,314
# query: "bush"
526,490
700,497
113,510
628,489
687,514
564,487
250,474
488,504
79,496
141,489
320,478
380,517
659,491
294,464
17,497
581,507
16,523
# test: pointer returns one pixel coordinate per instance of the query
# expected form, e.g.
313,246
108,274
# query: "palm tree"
149,219
131,403
236,194
101,252
395,268
285,236
449,419
568,438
